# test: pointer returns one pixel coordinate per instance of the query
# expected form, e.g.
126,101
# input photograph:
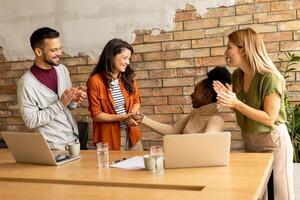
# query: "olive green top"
261,86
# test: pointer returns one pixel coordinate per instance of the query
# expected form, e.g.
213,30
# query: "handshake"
134,119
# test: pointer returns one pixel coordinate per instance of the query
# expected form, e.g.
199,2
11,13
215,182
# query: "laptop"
197,150
32,148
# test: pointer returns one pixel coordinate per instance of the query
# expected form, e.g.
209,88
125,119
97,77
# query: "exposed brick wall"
170,64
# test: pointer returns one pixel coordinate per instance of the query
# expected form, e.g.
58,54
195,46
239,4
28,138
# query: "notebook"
32,148
197,150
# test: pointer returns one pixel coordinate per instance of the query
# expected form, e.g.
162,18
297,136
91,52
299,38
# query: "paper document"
136,162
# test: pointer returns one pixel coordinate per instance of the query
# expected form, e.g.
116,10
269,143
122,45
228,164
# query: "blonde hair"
255,53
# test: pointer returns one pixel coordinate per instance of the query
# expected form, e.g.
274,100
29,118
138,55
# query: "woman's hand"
228,99
219,87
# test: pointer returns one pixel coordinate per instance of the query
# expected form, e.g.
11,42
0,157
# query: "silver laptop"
197,150
33,148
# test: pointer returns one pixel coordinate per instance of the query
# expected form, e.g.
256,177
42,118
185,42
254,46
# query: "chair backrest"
83,129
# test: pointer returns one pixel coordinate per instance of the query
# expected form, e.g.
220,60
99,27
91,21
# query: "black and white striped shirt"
119,100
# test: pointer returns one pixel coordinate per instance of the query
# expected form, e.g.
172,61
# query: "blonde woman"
257,98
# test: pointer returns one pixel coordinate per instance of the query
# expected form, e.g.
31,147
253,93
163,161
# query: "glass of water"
103,155
157,155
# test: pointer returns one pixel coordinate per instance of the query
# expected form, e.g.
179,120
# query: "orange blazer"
101,100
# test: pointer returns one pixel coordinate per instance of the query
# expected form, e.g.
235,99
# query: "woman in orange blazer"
113,97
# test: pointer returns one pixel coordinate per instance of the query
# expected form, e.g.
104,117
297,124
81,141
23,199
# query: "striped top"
119,100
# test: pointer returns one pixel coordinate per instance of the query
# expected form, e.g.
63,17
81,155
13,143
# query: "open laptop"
33,148
197,150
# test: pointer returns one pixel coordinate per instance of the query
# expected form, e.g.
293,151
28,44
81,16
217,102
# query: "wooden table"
245,178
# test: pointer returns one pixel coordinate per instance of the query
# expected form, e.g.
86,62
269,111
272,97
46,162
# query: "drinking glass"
103,155
157,155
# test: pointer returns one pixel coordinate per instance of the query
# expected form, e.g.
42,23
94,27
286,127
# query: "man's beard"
50,62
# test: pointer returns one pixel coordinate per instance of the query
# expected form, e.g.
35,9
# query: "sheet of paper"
136,162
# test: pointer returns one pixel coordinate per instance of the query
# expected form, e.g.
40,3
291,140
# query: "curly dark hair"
216,74
106,66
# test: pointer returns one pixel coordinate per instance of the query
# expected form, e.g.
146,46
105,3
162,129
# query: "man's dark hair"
38,36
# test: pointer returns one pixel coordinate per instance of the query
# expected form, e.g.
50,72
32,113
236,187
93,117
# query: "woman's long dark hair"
106,66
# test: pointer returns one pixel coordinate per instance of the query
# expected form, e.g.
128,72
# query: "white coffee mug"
74,149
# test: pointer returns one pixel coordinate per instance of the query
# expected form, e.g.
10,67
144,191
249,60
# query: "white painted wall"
86,26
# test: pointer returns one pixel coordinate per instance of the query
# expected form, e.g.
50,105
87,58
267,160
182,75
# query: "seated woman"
205,116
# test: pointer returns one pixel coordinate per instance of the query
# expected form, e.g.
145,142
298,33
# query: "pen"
116,161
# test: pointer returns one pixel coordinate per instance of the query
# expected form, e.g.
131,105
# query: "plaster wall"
86,26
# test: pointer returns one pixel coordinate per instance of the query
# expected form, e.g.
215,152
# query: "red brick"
179,63
74,61
136,57
15,73
80,77
72,69
176,45
92,60
4,66
167,91
6,82
151,83
201,23
253,8
261,28
7,97
193,53
158,38
147,47
142,75
178,82
272,46
85,69
5,113
282,5
165,109
145,92
148,65
164,73
147,109
21,65
12,89
178,26
289,25
196,71
290,46
148,101
277,36
179,100
207,42
184,16
296,35
165,55
220,31
185,35
219,12
217,51
12,120
139,39
275,16
188,90
80,111
210,61
2,74
236,20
